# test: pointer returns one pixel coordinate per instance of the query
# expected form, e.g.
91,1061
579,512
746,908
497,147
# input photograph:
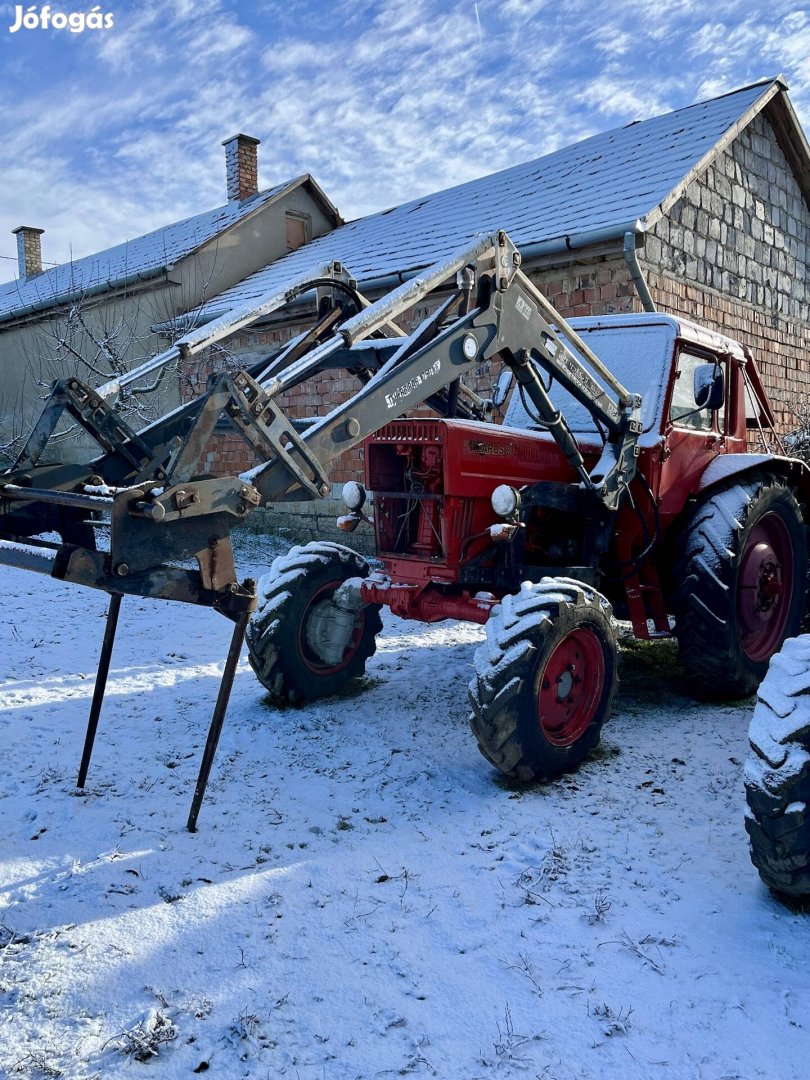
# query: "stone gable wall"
733,253
742,229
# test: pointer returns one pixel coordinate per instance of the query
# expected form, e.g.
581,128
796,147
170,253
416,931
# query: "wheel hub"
769,587
765,587
329,633
565,684
571,685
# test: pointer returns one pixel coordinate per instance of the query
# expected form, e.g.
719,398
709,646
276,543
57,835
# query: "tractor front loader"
588,496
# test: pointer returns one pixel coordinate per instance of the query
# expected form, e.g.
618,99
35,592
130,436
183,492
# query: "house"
703,212
98,314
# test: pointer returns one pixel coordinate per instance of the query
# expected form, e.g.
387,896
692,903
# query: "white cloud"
382,101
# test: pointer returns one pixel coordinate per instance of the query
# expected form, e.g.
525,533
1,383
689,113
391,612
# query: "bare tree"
96,338
797,442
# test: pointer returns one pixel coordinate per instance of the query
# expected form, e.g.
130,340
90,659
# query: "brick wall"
599,287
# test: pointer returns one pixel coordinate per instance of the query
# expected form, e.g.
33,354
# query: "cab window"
684,411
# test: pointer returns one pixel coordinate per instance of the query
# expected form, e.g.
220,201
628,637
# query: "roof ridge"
607,133
152,232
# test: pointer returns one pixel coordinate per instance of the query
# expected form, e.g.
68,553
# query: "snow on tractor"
619,482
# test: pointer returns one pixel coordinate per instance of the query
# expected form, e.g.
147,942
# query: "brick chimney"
241,167
29,250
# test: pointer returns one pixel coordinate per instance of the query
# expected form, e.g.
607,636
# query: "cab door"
695,433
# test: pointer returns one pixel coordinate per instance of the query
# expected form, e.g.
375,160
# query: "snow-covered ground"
364,897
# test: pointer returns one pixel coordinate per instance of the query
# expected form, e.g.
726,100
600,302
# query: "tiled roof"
141,256
596,189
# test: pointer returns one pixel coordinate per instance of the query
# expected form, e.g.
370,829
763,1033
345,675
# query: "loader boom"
511,320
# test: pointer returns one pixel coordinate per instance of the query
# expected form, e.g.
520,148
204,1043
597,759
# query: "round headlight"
354,495
505,501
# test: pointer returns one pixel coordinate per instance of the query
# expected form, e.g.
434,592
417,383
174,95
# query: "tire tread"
776,790
266,633
705,576
515,632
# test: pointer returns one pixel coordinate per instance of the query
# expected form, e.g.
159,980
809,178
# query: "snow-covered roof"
141,256
594,190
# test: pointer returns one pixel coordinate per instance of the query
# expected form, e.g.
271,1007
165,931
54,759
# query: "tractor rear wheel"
545,679
740,584
294,598
777,773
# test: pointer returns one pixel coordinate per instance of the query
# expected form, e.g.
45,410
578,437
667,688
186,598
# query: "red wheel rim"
765,587
571,684
310,658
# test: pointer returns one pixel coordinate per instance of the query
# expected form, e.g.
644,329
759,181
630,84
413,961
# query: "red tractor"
589,500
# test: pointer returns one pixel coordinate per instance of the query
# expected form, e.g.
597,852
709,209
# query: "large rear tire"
295,592
739,584
777,773
545,679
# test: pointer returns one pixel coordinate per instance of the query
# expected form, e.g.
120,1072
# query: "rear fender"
728,467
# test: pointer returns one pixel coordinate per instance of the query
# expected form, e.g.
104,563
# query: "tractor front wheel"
295,600
545,679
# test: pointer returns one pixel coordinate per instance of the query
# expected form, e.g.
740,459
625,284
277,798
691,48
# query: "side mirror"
710,386
502,387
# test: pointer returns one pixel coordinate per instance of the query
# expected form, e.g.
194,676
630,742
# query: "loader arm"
511,320
161,509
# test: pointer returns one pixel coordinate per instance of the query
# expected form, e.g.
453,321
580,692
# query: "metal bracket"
95,415
266,428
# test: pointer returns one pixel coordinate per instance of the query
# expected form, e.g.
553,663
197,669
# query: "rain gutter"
558,245
48,303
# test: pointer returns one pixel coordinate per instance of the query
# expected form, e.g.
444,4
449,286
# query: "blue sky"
106,134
